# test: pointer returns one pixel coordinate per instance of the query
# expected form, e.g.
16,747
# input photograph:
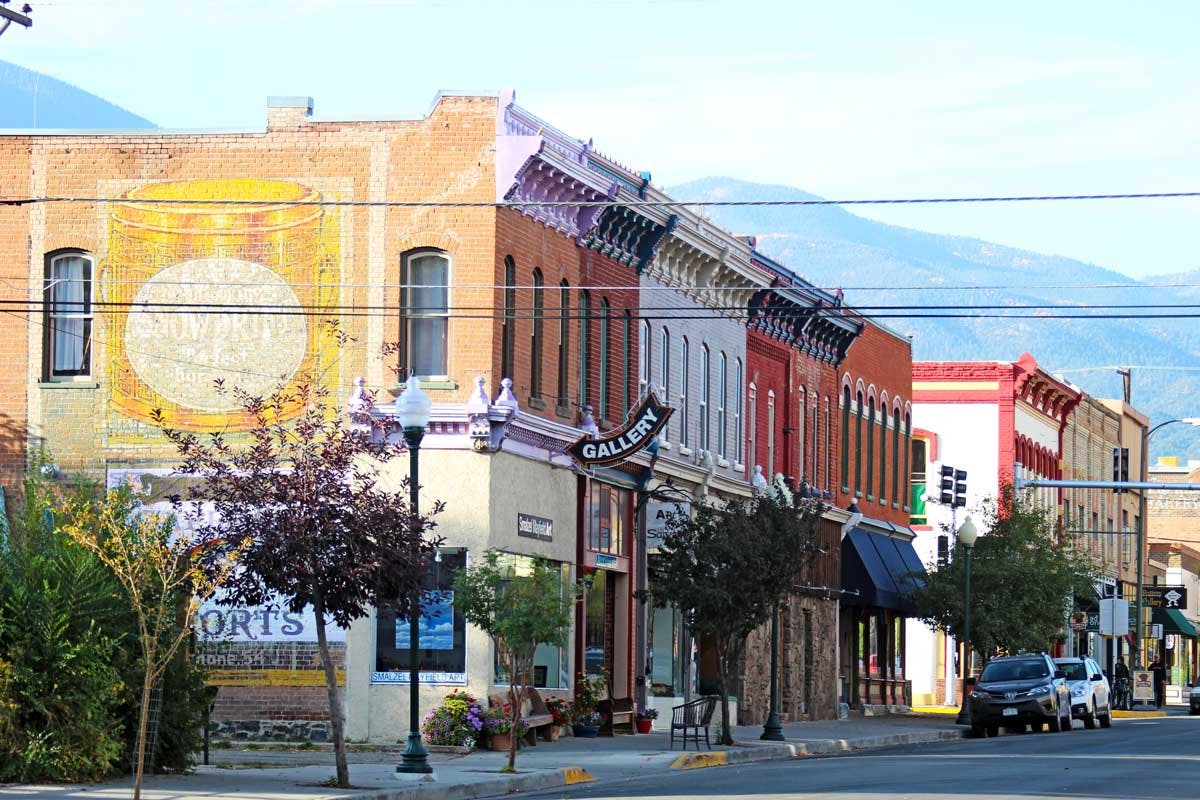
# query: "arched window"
664,374
870,447
860,409
564,345
644,358
883,451
684,382
507,335
896,457
752,428
626,359
585,312
426,281
828,440
722,397
68,315
705,397
536,338
816,441
737,410
907,445
801,445
769,469
604,362
845,438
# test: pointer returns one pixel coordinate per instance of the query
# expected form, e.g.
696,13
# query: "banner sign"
658,513
1159,596
1143,686
643,423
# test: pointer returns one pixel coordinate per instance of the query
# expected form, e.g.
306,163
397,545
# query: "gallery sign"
1159,596
643,423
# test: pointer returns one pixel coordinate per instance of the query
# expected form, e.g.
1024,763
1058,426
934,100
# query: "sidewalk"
262,774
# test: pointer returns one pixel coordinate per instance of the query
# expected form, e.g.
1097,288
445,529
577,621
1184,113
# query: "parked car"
1091,696
1194,701
1015,691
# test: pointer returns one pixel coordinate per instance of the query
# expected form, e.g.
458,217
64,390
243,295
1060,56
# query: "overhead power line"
666,204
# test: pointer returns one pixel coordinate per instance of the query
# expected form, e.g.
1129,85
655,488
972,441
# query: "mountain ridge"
32,99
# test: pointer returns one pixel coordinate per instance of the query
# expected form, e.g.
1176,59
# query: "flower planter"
500,741
555,732
644,725
586,731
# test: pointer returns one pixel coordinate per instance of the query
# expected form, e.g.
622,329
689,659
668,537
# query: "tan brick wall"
15,181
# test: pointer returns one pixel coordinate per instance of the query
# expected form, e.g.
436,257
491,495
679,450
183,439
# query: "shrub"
560,709
499,720
458,721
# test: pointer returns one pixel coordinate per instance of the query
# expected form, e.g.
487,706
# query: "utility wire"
665,204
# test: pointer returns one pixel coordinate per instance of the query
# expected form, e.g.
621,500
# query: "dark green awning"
1173,621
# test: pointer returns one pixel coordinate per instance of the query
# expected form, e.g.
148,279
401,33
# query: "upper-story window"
684,381
870,448
737,410
644,357
427,309
846,438
705,397
564,344
769,467
858,453
752,428
896,457
802,445
585,311
604,362
664,374
722,398
537,338
507,335
626,358
68,313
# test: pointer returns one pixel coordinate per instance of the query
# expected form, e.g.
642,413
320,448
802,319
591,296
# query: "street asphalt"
1138,759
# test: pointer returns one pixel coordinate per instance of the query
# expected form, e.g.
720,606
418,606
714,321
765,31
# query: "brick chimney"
288,112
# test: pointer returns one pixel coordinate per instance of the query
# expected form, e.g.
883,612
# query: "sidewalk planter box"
644,725
586,731
500,741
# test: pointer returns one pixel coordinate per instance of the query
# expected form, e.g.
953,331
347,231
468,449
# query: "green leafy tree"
520,608
727,567
1024,580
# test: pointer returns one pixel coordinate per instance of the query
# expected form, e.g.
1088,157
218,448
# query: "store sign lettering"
1160,596
532,527
646,420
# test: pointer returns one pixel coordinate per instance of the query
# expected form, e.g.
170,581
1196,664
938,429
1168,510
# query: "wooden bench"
537,717
692,717
618,711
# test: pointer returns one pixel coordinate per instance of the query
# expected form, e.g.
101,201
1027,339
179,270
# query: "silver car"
1091,699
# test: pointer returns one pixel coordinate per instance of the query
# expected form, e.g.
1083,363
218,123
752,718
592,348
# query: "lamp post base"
772,729
963,717
415,759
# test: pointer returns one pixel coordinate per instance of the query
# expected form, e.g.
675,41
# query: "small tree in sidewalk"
302,497
728,566
166,572
520,606
1024,577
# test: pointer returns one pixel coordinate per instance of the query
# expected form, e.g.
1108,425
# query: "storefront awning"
884,571
1173,621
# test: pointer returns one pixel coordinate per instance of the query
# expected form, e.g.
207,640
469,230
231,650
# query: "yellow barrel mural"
202,292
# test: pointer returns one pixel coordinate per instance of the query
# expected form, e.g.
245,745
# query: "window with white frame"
664,374
737,410
769,467
68,315
684,376
427,310
705,396
752,429
644,357
722,397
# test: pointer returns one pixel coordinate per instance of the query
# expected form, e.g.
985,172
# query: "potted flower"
645,719
585,717
500,728
458,721
560,710
587,724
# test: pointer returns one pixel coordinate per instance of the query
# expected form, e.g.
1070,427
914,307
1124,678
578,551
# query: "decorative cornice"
548,176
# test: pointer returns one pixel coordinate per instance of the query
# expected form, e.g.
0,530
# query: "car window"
1013,671
1075,672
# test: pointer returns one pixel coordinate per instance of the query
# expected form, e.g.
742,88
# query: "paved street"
1153,759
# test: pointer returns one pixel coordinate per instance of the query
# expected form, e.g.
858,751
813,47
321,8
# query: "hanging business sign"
1159,596
643,423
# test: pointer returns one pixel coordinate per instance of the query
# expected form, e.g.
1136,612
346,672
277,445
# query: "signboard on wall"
1159,596
532,527
1143,686
658,512
643,423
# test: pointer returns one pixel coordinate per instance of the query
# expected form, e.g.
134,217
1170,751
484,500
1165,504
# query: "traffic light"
960,488
947,485
1120,465
943,551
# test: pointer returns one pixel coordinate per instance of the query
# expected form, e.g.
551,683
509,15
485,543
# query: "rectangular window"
585,311
426,286
443,632
737,410
705,397
802,445
609,519
684,378
769,467
722,397
69,316
664,375
604,341
549,662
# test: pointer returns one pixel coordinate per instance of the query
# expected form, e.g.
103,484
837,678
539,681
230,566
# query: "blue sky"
841,99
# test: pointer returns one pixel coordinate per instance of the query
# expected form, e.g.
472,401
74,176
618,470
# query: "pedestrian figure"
1160,681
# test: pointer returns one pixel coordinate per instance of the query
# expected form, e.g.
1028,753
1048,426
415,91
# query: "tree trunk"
514,693
723,658
331,689
139,767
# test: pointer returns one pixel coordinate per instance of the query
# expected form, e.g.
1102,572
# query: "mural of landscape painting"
437,623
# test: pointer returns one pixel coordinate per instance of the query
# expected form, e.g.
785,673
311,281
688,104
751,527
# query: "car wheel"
1054,725
1089,720
1065,725
1106,718
993,731
977,731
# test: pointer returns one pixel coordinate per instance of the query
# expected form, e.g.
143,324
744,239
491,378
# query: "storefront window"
443,633
549,662
598,625
667,663
609,510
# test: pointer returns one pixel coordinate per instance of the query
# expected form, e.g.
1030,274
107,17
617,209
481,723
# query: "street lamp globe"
967,533
413,407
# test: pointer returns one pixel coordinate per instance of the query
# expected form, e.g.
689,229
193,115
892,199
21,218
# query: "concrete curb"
1118,714
431,790
815,747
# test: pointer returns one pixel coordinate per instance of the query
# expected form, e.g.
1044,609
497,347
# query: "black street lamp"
413,409
967,534
773,728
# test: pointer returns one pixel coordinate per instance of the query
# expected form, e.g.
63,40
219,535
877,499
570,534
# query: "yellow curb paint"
946,710
701,760
1137,714
576,775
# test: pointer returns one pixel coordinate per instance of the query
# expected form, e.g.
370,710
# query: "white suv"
1194,699
1091,699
